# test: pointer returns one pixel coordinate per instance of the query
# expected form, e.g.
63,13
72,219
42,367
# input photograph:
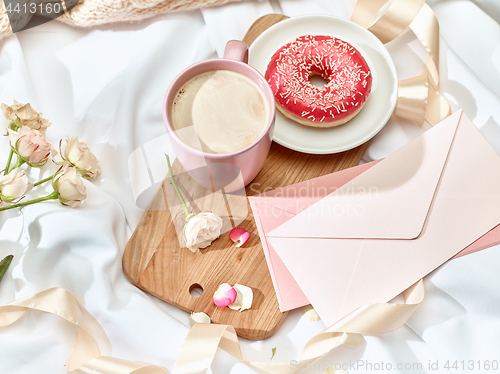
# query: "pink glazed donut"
339,63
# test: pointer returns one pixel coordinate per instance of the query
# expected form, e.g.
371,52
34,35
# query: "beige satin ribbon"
419,100
418,97
85,357
203,340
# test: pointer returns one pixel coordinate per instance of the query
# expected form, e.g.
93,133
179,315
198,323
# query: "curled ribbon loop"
85,357
398,16
418,98
203,340
61,302
412,98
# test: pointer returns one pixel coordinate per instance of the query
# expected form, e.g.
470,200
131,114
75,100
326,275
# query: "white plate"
379,106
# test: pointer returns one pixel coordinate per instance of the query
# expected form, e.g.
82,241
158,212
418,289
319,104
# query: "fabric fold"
203,340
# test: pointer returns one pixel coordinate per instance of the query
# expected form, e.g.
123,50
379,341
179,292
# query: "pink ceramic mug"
232,170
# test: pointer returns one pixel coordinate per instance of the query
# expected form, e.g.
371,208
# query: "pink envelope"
272,209
302,234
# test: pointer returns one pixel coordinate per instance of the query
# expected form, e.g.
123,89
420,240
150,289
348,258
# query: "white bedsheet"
106,85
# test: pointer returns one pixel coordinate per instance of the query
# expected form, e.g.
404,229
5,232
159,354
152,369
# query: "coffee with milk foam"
227,109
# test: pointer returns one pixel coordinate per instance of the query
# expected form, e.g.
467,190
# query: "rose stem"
45,180
52,196
14,124
18,163
8,162
186,210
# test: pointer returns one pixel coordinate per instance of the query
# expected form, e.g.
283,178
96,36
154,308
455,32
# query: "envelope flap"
391,200
273,208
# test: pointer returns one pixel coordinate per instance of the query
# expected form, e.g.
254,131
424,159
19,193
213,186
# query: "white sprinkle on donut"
347,74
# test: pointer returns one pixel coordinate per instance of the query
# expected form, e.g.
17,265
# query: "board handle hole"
196,290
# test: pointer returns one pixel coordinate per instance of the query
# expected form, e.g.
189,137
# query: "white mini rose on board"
31,146
70,187
28,116
77,154
14,185
201,230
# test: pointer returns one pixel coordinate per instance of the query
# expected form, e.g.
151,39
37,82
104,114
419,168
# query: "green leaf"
274,352
4,265
18,123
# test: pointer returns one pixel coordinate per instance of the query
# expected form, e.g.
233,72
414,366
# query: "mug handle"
236,50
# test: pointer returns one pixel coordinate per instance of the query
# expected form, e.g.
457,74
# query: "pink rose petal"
224,295
239,234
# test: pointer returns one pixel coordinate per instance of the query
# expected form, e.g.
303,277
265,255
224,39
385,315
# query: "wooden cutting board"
154,261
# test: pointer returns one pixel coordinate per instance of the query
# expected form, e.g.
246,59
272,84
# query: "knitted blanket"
96,12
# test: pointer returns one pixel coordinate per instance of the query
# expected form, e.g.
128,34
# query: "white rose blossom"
201,230
28,116
77,154
28,143
70,187
31,146
13,186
